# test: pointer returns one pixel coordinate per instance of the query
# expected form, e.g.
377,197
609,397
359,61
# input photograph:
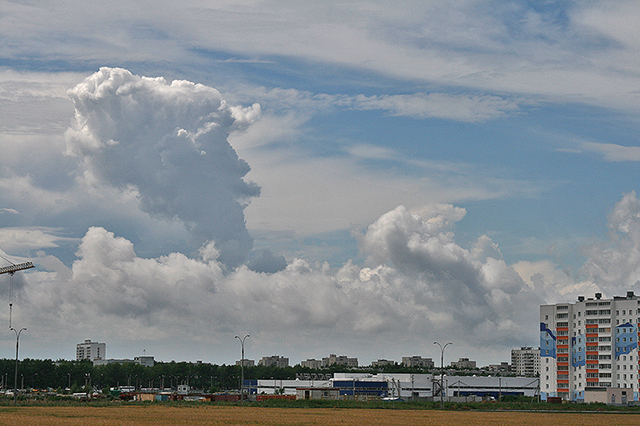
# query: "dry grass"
162,415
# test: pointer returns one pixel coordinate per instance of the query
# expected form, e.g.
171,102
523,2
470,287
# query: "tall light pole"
442,348
242,368
15,377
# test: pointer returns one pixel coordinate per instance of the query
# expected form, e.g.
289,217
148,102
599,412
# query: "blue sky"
337,169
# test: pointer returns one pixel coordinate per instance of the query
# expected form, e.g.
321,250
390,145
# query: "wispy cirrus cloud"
439,105
613,152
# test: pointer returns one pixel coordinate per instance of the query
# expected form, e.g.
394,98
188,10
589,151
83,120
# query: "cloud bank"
417,284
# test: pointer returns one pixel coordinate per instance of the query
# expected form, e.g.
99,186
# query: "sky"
360,178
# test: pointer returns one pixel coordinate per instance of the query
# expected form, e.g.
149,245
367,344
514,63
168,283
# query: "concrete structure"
525,361
146,361
274,361
318,393
333,359
587,345
91,350
464,364
503,367
417,361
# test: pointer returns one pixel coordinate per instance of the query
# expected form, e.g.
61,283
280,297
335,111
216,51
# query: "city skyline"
329,178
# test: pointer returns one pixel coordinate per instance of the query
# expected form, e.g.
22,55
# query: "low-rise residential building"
417,361
246,362
464,364
382,363
334,359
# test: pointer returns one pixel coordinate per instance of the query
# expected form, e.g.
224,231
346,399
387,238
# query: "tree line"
77,375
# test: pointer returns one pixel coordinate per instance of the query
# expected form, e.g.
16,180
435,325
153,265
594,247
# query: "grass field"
163,415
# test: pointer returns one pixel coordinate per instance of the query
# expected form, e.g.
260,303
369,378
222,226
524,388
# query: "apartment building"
417,361
274,361
334,359
314,364
591,344
525,362
91,350
464,364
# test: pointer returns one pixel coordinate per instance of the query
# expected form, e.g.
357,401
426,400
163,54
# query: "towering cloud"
167,142
614,265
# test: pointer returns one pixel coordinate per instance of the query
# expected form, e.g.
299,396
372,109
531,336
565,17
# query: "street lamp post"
15,377
442,348
242,368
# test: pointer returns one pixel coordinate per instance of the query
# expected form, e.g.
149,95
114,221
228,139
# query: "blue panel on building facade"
547,342
348,387
626,338
578,351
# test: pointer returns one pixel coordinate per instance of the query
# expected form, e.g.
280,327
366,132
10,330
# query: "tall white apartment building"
525,362
590,344
91,350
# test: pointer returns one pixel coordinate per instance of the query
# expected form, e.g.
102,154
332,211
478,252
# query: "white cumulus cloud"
168,142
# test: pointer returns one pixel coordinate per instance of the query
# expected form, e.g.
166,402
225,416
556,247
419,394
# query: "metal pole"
442,348
242,368
15,377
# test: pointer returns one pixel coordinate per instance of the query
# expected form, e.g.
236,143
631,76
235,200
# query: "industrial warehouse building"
589,346
395,385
